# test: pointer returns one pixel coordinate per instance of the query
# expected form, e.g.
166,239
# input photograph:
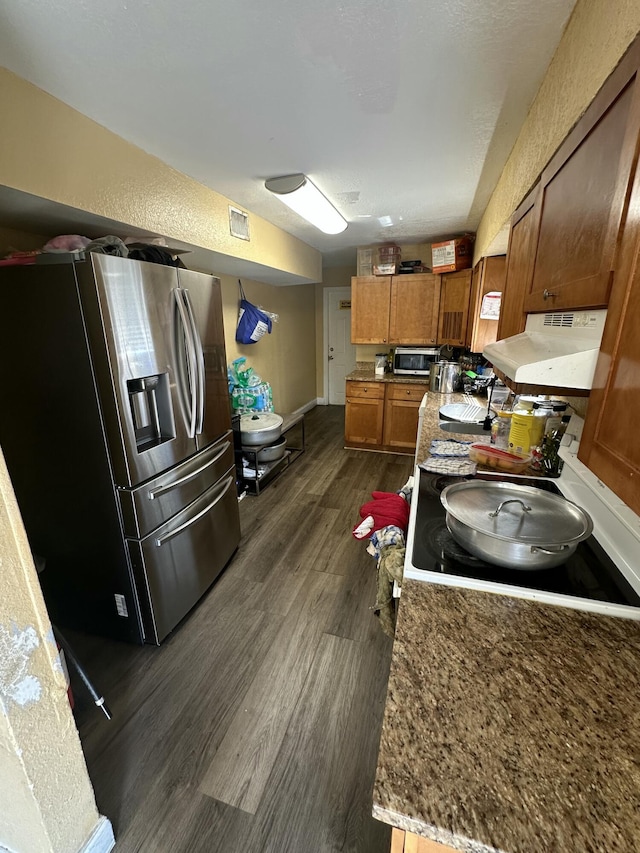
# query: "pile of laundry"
385,519
152,249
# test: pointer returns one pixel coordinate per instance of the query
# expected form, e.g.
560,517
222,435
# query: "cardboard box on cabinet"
452,255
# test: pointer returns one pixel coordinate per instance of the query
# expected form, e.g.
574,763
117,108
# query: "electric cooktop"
588,580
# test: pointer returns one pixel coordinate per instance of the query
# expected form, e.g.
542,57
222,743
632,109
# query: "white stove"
603,576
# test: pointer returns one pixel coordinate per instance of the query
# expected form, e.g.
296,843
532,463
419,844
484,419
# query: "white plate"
464,413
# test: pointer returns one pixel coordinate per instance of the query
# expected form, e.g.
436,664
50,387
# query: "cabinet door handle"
546,294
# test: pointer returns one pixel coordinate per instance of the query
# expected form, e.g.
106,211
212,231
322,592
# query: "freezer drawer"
175,565
150,505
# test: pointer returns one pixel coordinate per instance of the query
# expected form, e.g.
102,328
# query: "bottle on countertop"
526,430
500,428
555,421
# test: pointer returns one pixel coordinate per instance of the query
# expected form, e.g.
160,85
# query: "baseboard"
306,408
322,401
101,840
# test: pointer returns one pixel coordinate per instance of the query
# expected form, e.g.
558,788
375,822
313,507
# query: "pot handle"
510,501
539,548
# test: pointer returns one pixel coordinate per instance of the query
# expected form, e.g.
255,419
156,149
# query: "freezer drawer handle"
197,343
152,494
161,540
192,380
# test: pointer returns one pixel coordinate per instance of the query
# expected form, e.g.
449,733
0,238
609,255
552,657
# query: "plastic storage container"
495,457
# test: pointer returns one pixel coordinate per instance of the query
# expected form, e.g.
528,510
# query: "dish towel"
388,546
386,508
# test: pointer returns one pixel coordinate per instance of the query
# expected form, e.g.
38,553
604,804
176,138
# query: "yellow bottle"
526,431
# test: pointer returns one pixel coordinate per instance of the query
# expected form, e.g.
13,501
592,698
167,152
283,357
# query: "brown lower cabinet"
408,842
364,414
382,415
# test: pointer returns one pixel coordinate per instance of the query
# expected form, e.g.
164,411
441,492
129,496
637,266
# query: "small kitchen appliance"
415,361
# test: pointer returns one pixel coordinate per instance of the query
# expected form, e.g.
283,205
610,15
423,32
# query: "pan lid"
259,421
516,513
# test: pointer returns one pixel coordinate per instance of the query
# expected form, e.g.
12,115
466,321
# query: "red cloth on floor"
386,508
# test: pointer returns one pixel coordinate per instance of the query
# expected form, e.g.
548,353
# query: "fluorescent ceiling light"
298,193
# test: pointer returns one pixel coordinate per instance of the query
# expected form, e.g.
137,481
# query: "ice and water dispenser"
150,402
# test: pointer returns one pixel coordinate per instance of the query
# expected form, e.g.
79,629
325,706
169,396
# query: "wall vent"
558,320
239,223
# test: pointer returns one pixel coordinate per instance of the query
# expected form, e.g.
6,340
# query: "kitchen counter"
511,725
430,428
368,374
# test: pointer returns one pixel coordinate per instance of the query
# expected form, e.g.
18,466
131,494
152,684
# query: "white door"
340,353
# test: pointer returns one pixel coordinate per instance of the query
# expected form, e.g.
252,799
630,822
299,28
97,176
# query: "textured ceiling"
404,109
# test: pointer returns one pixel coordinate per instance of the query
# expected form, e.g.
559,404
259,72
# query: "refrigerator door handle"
189,393
199,361
152,494
224,488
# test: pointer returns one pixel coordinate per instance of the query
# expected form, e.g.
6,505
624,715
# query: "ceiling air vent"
557,320
238,223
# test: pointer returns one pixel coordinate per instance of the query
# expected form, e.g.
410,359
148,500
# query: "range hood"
559,350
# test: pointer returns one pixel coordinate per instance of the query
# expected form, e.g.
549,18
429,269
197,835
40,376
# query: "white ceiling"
405,109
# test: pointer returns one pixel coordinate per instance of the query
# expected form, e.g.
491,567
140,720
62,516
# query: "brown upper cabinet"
488,277
455,294
399,309
582,200
577,236
519,268
608,447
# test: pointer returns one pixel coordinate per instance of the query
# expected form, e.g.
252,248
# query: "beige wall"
596,37
285,358
46,798
54,152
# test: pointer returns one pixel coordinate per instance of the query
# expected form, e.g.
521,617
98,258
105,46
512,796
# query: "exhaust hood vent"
557,320
559,350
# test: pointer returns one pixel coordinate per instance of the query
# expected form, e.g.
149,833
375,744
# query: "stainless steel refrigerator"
116,427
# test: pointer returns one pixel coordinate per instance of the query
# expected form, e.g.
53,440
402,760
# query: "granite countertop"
431,422
368,374
511,725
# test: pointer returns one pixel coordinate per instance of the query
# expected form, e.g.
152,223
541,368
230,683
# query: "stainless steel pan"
518,527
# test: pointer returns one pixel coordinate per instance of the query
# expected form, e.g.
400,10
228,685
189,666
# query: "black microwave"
415,361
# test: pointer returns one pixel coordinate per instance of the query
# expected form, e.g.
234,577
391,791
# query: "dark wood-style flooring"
254,728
